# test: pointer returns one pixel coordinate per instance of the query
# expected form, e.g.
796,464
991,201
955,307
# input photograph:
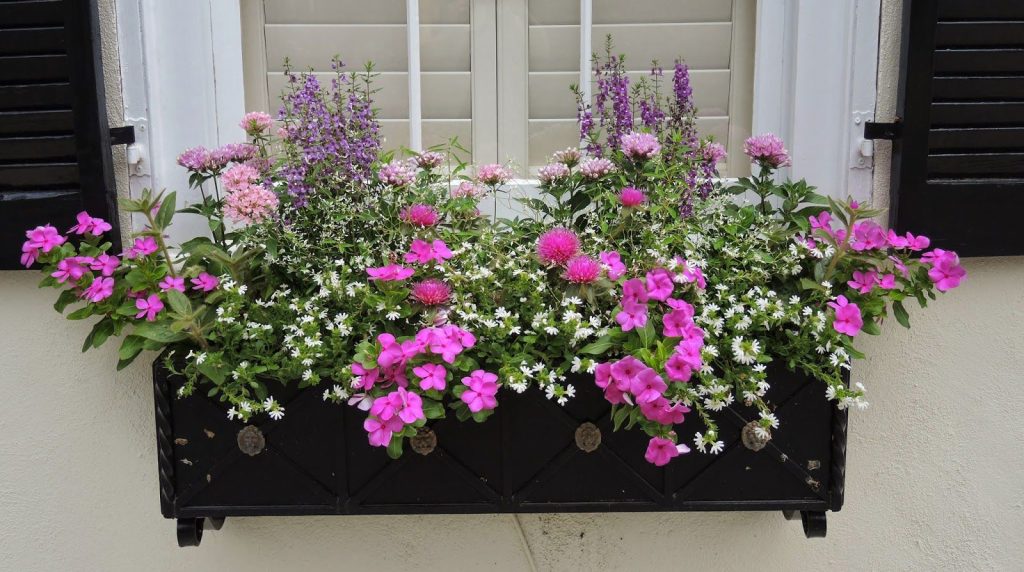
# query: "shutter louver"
54,144
958,172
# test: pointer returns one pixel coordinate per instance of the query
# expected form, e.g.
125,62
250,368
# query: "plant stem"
161,244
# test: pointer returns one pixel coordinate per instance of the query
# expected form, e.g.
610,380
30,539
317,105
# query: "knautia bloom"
420,215
640,146
714,153
582,270
196,159
767,150
429,160
557,246
630,197
398,173
493,174
554,172
251,204
596,167
256,122
569,157
431,292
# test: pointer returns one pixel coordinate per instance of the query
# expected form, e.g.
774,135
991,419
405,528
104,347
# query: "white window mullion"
412,27
586,46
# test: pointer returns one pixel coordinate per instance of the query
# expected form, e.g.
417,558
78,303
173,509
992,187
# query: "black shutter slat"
977,114
32,14
59,210
978,34
979,62
40,96
32,41
27,69
29,148
980,10
994,138
13,123
978,88
39,176
976,165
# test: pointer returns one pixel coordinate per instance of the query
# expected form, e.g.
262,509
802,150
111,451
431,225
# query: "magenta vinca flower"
630,197
908,241
633,290
105,264
431,292
613,390
100,289
172,283
660,284
661,411
432,376
482,388
867,235
848,319
767,150
148,307
582,270
71,269
391,272
647,386
420,215
205,282
661,450
90,225
945,272
612,264
44,238
143,246
423,252
633,315
863,282
557,246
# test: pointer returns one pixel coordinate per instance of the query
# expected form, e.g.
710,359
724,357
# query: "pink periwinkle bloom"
767,150
848,319
100,289
390,414
239,176
557,246
633,315
596,167
678,320
423,252
611,261
42,238
714,153
867,235
432,376
647,386
633,290
626,371
863,282
250,205
661,450
447,341
364,378
690,273
381,431
431,292
887,282
630,197
390,273
256,122
420,215
172,283
639,146
554,172
661,411
908,241
429,160
614,390
483,386
398,173
569,156
493,174
105,264
408,405
659,284
945,272
205,282
143,246
149,307
28,255
685,360
72,269
582,270
90,225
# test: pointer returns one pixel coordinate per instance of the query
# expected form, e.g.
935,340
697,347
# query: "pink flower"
633,315
639,146
172,283
867,235
482,388
100,289
647,386
419,215
423,252
863,282
448,341
365,378
467,189
391,272
676,322
250,204
691,273
493,174
105,264
431,292
582,270
887,282
408,405
44,238
597,167
627,371
398,173
429,160
205,282
659,284
196,159
612,263
945,272
256,122
380,431
714,153
767,150
613,392
633,290
661,450
848,319
143,246
28,255
89,225
70,269
569,156
660,411
239,176
686,359
551,173
630,197
432,376
821,222
149,307
908,241
557,246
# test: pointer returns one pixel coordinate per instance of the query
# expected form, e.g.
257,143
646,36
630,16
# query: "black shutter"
958,171
54,140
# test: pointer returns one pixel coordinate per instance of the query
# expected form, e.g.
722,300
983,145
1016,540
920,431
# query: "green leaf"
599,347
395,447
646,334
901,314
82,313
871,328
66,297
619,417
179,302
130,347
433,409
158,332
101,330
216,373
166,213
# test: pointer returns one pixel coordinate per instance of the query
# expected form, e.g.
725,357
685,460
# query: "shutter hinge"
122,135
888,131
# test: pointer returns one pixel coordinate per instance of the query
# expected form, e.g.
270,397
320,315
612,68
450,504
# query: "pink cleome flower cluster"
206,161
767,150
639,146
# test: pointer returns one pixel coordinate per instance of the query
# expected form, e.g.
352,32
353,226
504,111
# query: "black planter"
531,456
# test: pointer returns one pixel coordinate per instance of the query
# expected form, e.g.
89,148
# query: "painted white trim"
586,46
412,34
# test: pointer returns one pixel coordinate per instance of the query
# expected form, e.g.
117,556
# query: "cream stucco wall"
934,479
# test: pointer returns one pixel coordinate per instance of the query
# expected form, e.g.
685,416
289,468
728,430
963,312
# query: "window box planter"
531,456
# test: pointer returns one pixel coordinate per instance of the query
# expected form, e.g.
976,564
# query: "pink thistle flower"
89,225
630,197
423,252
493,174
597,167
867,235
659,284
420,215
205,282
633,315
398,173
557,246
863,282
570,157
661,450
767,150
251,204
483,386
582,270
256,122
432,376
551,173
639,146
848,319
172,283
149,307
100,289
467,189
429,160
431,292
391,272
612,263
143,246
945,272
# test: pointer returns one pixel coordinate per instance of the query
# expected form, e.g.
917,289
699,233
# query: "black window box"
530,456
